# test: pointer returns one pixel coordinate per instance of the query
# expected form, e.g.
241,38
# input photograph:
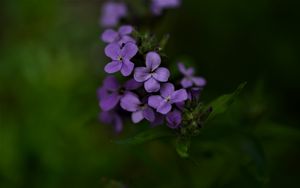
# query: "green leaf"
148,135
221,104
164,41
182,146
257,164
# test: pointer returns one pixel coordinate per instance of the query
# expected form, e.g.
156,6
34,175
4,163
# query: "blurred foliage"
51,63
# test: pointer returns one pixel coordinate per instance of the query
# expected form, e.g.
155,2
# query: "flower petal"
179,96
113,51
106,117
113,67
141,74
174,119
148,113
167,89
199,81
186,83
164,107
162,74
127,67
153,60
126,39
110,36
159,119
129,50
118,124
132,84
154,101
111,83
130,102
110,101
185,71
125,30
152,85
137,116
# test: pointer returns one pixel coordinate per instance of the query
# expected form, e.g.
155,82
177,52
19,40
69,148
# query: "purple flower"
111,92
189,79
174,119
112,12
120,58
112,118
193,84
163,103
121,36
157,6
132,103
152,74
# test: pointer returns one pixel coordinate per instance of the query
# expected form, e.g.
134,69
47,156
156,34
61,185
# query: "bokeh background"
51,63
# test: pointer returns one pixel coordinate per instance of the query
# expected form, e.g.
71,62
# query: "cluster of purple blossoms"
113,12
147,94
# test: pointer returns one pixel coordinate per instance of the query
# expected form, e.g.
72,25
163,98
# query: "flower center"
168,99
121,91
142,106
120,58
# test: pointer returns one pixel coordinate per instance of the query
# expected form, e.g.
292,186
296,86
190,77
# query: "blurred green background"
51,63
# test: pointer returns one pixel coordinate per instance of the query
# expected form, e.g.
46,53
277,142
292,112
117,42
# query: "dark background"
51,63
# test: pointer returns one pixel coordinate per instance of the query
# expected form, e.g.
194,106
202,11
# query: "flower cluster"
148,93
113,12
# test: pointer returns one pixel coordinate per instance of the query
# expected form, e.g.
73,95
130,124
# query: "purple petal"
141,74
106,117
162,74
186,72
101,93
137,116
127,67
125,30
112,12
113,67
110,36
153,60
132,84
159,119
118,124
179,96
194,92
129,50
148,113
130,102
167,3
167,89
111,83
126,39
174,119
199,81
113,51
110,101
164,107
186,83
152,85
154,101
180,105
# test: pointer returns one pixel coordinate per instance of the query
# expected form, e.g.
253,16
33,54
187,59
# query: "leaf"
257,165
148,135
164,41
182,146
221,104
